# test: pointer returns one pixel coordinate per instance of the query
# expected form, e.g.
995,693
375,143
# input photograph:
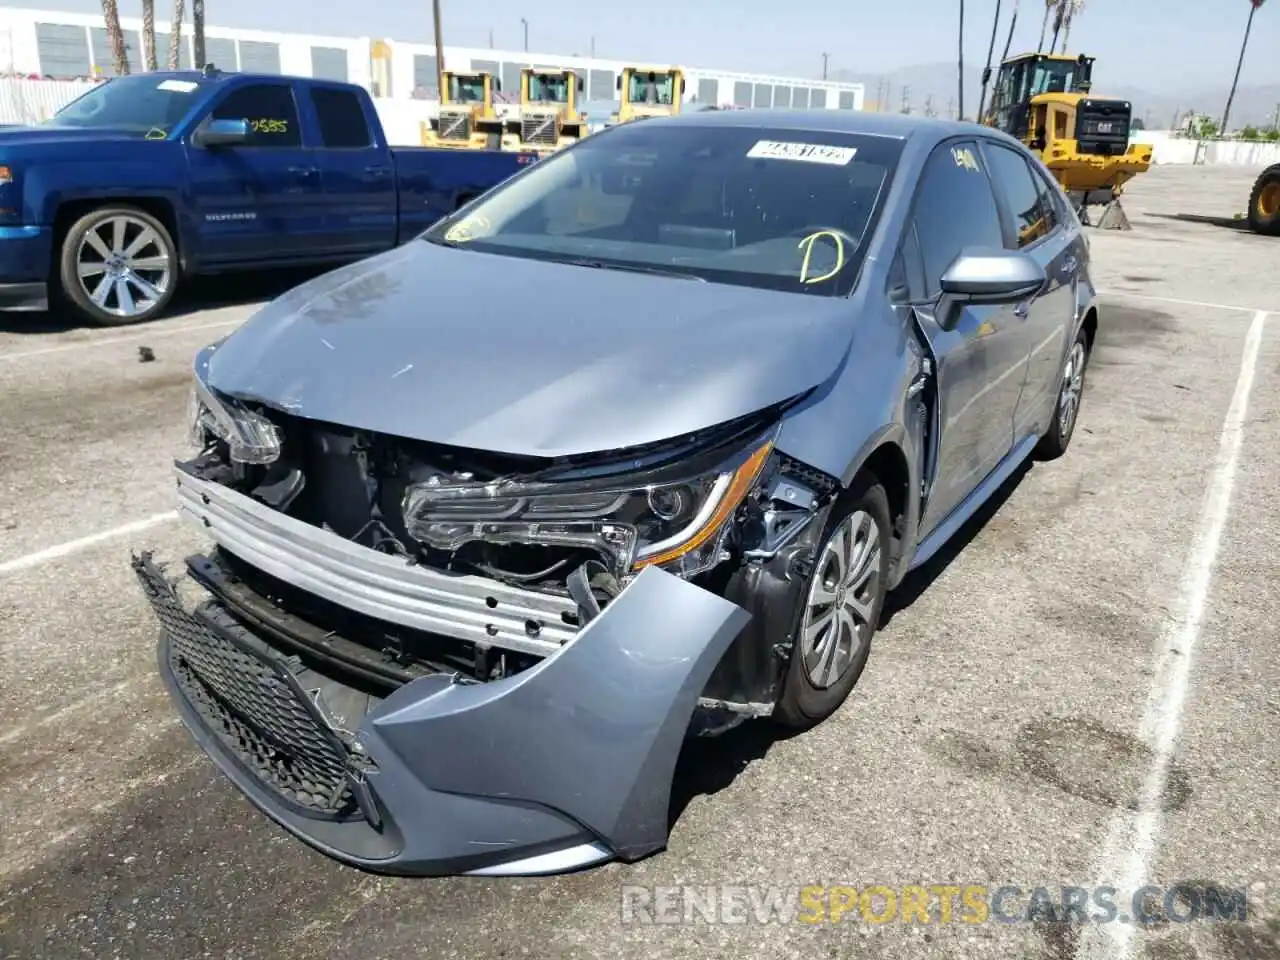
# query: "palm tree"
1071,11
115,36
1254,6
197,32
175,35
1008,40
149,34
986,71
1049,7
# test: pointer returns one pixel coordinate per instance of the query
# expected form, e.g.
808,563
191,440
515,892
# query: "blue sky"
1180,43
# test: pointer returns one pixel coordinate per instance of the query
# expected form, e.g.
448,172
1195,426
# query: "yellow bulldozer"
648,92
548,118
1044,100
467,119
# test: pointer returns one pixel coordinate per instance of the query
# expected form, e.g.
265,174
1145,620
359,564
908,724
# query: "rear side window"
341,117
1021,191
270,111
954,208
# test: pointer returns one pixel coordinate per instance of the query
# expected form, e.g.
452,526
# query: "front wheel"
841,608
119,265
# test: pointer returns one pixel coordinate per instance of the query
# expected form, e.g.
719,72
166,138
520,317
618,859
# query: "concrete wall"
1168,148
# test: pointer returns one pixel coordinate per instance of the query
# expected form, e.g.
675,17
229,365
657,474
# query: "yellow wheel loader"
1045,101
648,92
467,119
548,117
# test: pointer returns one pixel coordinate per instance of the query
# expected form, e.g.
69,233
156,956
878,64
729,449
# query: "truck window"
342,120
270,111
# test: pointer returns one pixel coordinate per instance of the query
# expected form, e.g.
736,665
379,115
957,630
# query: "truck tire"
1264,203
118,265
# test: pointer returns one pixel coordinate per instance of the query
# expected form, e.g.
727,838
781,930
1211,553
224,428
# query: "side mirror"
617,82
497,84
222,133
580,86
981,276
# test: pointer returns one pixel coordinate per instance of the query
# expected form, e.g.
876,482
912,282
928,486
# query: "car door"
357,175
260,200
981,361
1033,225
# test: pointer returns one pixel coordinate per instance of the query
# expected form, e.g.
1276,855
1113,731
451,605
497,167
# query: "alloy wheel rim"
841,600
1072,387
124,266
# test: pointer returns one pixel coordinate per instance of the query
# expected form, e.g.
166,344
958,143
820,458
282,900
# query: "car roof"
900,126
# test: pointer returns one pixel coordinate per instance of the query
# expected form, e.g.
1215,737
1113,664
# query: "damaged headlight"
674,516
249,436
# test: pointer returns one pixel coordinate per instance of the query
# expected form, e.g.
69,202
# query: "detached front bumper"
565,764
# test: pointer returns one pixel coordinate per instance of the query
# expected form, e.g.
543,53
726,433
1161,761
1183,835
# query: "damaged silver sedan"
628,450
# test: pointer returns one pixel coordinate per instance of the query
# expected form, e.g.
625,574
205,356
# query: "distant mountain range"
934,86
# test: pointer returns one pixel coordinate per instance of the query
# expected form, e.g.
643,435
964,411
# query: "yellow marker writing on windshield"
466,229
807,246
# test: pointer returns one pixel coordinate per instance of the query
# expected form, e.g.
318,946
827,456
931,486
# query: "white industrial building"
55,45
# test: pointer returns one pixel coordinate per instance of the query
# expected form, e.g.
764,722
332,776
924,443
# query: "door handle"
1021,310
304,173
377,173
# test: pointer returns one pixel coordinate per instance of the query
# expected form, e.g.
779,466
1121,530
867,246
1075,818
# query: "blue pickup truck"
151,178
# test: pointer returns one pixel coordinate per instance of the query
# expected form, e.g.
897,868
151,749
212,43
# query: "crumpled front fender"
592,732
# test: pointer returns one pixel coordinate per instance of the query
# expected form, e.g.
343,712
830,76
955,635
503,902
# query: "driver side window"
954,208
270,111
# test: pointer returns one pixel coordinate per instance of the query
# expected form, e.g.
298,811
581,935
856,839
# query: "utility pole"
435,13
491,38
525,24
824,65
906,99
928,106
951,109
1226,114
593,48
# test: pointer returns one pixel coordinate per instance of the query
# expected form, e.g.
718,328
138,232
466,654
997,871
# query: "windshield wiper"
443,242
633,268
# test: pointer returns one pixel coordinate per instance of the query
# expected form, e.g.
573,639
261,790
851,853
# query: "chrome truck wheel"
119,266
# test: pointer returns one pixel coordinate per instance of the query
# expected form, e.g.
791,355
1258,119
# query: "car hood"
527,357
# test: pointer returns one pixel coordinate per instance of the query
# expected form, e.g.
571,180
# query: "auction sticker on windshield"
178,86
806,152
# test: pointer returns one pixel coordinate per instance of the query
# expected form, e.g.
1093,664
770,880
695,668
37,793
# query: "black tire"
72,290
1055,442
1264,203
802,703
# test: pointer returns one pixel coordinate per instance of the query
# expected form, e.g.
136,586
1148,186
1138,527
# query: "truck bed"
435,181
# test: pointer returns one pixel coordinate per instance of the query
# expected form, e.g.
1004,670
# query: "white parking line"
141,334
1126,857
1175,300
75,546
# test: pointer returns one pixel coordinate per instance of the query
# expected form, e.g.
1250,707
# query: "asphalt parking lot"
1001,735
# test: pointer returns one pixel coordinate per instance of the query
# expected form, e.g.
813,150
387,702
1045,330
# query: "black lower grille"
249,699
455,126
